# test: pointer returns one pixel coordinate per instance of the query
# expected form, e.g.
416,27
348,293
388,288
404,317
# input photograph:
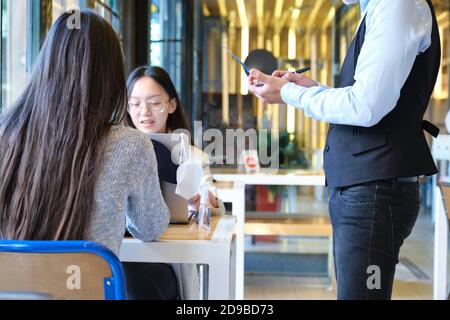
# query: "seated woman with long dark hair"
69,169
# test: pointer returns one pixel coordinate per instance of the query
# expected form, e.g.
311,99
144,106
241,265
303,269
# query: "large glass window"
109,9
13,49
59,6
166,24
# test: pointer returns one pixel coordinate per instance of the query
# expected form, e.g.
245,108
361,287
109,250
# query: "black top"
167,169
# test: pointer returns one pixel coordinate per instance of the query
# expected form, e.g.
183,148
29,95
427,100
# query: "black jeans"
150,281
370,223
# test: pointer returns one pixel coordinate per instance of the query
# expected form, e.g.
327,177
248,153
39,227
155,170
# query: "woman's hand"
213,200
194,203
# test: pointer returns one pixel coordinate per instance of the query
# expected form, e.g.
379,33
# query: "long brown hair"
176,120
51,139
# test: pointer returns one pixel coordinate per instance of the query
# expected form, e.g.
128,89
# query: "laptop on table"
164,145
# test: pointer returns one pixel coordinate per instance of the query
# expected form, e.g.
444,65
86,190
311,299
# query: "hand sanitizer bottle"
204,211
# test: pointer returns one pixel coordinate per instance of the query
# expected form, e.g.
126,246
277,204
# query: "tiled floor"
413,278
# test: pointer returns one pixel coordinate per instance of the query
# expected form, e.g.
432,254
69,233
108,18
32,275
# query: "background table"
231,188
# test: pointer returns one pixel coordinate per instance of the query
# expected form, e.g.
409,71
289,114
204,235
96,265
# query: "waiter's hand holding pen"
268,88
296,77
286,75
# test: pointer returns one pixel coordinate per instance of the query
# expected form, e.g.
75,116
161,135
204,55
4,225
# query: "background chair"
62,270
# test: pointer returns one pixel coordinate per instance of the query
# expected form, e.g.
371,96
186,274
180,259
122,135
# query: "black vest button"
327,148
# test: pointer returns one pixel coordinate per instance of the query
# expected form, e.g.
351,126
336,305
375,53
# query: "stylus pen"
303,70
246,68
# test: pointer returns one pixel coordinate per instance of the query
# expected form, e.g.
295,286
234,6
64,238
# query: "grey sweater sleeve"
147,214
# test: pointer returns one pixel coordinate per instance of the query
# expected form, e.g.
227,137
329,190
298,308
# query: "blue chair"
62,270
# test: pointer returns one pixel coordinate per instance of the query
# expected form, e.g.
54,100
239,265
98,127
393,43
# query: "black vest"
396,146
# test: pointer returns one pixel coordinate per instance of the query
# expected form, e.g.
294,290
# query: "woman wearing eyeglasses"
154,107
153,102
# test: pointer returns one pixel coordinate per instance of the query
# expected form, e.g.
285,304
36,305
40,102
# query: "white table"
186,244
235,194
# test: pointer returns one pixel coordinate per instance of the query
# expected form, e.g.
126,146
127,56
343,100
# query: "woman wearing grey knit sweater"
69,170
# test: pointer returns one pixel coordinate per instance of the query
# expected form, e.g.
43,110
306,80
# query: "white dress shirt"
396,32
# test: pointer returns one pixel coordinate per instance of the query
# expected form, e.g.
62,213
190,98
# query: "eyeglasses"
135,105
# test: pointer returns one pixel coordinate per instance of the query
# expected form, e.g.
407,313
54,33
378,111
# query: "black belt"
390,181
407,180
401,180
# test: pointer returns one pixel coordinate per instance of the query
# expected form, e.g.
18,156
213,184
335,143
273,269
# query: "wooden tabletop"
224,185
190,231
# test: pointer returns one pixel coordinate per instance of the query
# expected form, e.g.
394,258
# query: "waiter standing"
376,147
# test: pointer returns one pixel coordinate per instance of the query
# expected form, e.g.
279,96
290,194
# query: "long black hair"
52,138
176,120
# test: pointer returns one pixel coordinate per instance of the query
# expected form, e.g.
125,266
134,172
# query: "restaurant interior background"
187,39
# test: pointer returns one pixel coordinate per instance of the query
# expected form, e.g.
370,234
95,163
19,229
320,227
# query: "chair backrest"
62,270
445,189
